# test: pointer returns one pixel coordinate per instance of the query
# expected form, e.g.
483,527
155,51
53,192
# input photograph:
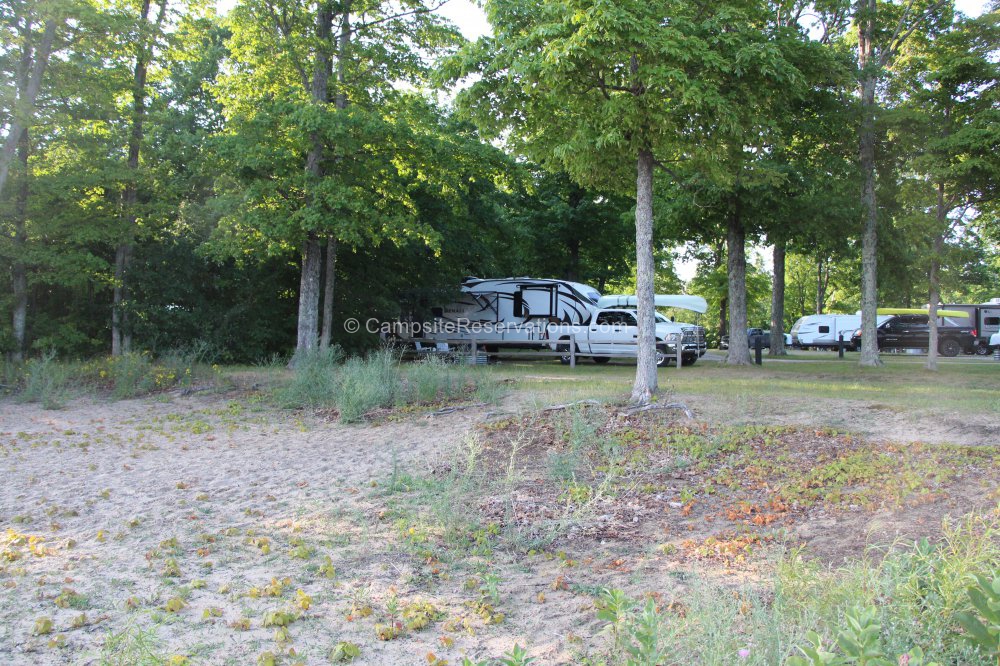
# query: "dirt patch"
874,420
220,529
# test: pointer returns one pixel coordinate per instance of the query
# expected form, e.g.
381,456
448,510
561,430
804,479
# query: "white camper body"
824,330
512,309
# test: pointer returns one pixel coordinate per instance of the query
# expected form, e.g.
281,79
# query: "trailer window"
991,321
824,329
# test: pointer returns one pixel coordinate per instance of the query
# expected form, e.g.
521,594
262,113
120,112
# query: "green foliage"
983,624
47,381
314,380
379,380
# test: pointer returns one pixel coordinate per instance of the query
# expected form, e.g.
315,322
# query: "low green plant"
314,379
47,381
982,625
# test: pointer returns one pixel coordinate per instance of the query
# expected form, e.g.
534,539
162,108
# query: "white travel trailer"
824,330
517,308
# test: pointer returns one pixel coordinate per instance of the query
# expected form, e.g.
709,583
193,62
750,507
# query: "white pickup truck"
613,332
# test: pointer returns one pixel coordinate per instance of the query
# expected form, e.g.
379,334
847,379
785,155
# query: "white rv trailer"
824,330
516,308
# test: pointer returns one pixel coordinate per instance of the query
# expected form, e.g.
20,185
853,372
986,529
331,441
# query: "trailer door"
538,301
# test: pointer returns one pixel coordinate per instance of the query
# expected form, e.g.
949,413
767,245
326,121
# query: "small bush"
368,383
314,380
379,381
47,381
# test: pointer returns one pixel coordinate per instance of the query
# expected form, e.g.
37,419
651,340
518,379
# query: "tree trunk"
736,270
645,371
19,273
723,319
312,252
865,13
329,280
822,280
934,277
312,258
24,106
121,332
778,301
340,102
717,257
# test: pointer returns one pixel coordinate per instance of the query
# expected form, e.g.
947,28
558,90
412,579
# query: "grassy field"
811,512
965,385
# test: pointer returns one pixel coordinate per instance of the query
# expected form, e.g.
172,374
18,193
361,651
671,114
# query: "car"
912,331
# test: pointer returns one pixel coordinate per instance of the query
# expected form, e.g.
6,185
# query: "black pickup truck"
913,332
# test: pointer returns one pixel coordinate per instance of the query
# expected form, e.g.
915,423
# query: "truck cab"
614,332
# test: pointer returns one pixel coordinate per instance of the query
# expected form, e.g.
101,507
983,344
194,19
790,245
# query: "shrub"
314,380
47,381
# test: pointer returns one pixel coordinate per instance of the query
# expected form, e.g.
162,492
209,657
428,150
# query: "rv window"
518,303
824,329
991,321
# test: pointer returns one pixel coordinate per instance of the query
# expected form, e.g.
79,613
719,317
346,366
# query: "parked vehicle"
536,309
912,331
823,331
984,319
752,334
613,331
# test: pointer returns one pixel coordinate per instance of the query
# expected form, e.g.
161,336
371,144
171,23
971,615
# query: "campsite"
500,332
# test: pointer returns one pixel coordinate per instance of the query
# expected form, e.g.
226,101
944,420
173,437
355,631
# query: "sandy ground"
216,501
105,484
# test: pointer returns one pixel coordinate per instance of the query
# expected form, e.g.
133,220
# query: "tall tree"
31,34
949,89
352,144
611,92
882,28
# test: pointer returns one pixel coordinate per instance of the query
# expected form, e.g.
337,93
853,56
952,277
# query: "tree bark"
312,252
934,277
645,371
24,106
329,280
19,273
865,16
736,270
777,347
308,328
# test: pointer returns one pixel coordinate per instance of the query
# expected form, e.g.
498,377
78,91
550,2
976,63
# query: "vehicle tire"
662,357
685,361
563,347
601,360
950,347
983,349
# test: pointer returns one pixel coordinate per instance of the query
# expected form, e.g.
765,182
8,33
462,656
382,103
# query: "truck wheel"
662,358
601,360
564,348
950,347
686,361
982,349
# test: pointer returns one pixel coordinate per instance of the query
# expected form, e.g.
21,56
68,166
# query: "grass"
909,597
970,386
53,382
362,385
